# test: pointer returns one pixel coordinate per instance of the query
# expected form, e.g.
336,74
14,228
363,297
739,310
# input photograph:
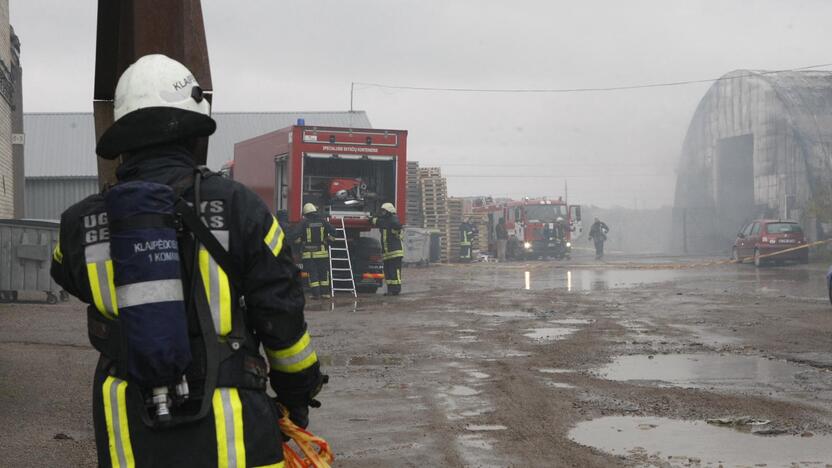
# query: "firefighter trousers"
599,248
318,271
240,430
393,275
465,252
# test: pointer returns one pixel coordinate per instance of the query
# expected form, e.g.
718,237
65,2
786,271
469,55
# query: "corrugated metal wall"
48,197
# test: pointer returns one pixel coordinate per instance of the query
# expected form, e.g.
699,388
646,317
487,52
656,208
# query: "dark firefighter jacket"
391,236
273,299
599,231
313,232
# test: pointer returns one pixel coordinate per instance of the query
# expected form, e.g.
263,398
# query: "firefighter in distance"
391,247
314,233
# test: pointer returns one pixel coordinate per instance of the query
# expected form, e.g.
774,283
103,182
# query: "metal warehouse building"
60,150
759,145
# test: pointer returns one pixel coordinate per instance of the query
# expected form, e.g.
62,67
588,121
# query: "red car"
767,236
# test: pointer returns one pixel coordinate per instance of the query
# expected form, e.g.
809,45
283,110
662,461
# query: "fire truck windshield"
545,213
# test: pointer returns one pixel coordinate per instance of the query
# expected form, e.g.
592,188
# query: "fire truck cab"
541,228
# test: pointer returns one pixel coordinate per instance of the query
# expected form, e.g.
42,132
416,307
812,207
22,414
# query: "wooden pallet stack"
455,217
480,221
434,190
414,196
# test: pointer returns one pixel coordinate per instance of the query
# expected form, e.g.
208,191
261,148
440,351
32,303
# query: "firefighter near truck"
347,173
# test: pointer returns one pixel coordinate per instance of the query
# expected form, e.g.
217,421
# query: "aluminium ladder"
340,266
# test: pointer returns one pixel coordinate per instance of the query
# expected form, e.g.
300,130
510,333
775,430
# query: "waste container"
416,246
25,257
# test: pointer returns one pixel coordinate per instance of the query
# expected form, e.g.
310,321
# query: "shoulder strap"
220,255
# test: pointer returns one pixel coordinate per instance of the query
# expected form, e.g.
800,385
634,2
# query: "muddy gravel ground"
498,364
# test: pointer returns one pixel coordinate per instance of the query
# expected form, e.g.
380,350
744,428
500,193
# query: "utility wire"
546,176
566,164
582,90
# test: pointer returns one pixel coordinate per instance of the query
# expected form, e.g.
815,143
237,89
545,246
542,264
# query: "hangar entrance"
734,184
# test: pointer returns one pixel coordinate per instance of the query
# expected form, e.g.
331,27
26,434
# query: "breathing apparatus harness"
216,361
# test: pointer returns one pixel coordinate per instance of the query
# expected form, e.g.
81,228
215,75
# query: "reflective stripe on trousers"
228,419
217,287
100,275
398,279
118,430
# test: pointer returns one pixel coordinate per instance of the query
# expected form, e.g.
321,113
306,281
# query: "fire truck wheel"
366,289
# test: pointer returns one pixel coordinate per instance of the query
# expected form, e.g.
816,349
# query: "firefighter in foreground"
466,236
598,234
186,274
391,247
315,233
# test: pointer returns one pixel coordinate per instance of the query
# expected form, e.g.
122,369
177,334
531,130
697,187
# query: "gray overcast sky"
615,148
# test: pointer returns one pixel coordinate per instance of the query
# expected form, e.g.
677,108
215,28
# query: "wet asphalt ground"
577,363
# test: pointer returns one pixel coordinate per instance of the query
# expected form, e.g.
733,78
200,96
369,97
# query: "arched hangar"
759,145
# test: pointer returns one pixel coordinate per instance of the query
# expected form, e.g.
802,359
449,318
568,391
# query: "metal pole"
352,92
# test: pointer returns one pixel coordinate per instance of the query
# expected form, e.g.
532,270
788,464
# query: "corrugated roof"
63,144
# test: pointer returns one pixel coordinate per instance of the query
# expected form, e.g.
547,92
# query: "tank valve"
182,390
160,399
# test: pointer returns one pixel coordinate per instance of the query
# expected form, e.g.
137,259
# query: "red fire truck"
541,228
347,173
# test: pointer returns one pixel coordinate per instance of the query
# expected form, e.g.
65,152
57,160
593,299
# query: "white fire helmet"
388,207
157,100
309,208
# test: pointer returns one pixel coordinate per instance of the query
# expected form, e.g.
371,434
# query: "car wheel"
735,255
758,262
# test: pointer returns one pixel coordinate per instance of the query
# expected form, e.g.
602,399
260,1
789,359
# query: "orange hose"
315,451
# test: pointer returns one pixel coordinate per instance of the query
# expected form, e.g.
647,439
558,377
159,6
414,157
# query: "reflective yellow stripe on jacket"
228,419
274,238
114,393
57,255
217,287
295,358
100,275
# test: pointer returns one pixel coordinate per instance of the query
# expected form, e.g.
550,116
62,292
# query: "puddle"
696,443
485,427
552,384
549,370
476,412
727,372
572,321
797,281
462,390
596,280
474,441
502,313
478,375
548,334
